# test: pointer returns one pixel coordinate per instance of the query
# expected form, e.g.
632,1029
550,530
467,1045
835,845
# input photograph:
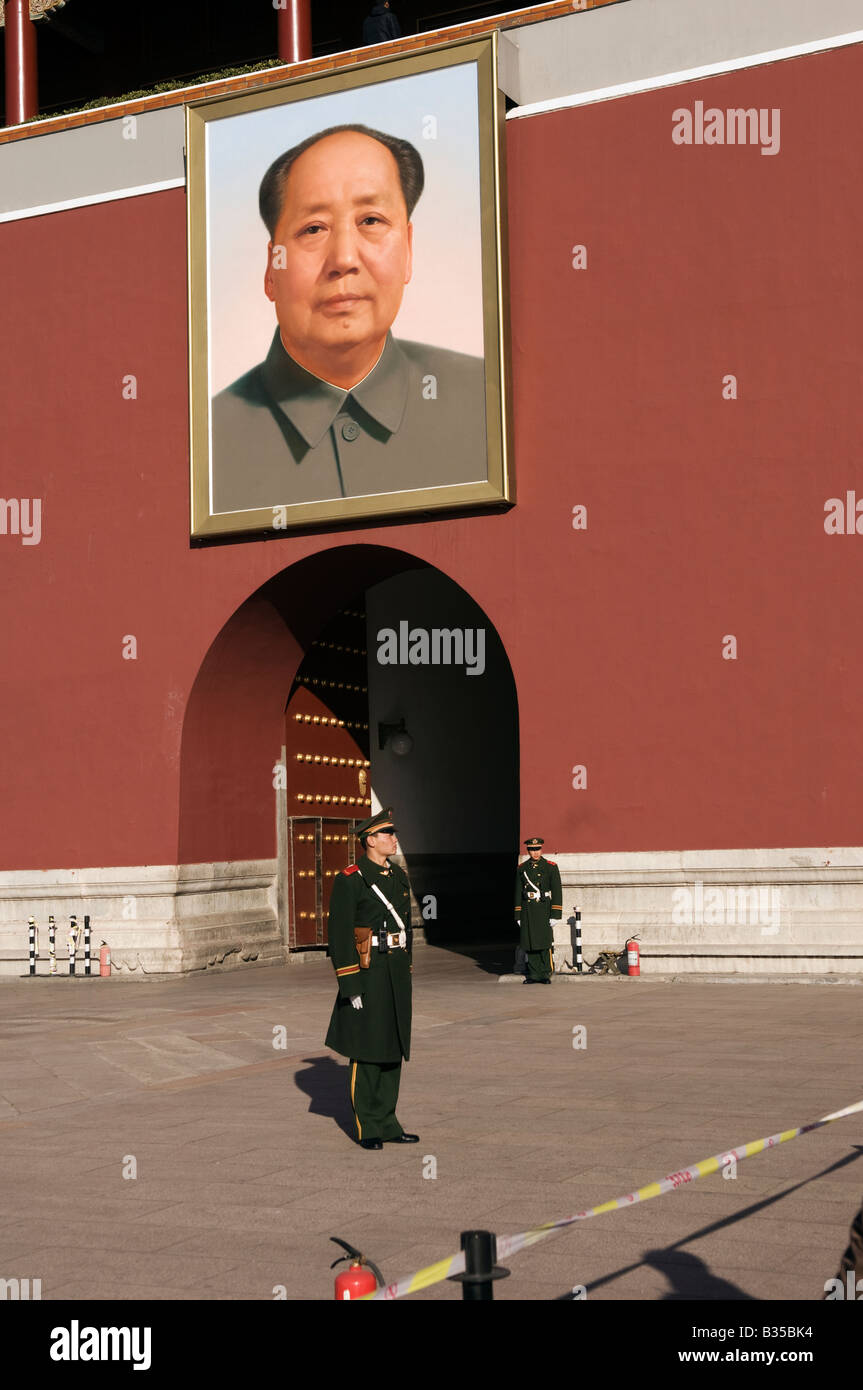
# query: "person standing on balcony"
381,25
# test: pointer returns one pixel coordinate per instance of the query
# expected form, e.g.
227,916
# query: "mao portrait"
359,368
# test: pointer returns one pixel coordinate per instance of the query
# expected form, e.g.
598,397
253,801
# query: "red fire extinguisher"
362,1276
104,959
633,956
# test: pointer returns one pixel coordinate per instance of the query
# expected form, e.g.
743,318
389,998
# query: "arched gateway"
357,677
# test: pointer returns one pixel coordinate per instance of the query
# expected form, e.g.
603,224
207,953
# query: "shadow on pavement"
690,1277
493,960
326,1082
694,1280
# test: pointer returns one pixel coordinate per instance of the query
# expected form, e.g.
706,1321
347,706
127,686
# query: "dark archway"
457,792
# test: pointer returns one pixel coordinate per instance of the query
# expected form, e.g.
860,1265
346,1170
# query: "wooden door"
327,771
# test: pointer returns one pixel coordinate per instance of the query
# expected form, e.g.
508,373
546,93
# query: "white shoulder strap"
386,902
388,905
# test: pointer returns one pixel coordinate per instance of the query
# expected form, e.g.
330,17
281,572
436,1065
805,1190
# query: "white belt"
398,938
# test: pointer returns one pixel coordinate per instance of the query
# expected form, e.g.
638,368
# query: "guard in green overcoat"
538,909
371,1018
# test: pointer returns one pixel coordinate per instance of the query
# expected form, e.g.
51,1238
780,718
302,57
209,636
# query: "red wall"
706,517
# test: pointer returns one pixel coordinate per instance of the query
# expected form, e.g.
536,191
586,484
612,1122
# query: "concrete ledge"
657,39
765,912
784,911
159,920
714,978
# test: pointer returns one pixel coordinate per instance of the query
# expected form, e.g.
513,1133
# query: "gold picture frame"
282,514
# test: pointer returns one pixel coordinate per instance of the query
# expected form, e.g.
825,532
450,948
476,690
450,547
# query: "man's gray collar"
312,405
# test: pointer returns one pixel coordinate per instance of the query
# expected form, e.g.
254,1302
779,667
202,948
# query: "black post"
73,942
480,1270
480,1253
31,923
86,945
578,956
479,1256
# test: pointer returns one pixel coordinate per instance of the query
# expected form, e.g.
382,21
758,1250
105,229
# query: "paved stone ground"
245,1167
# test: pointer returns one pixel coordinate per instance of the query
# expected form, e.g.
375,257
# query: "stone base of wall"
756,912
159,921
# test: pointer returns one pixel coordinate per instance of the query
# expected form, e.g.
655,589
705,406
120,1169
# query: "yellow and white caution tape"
510,1245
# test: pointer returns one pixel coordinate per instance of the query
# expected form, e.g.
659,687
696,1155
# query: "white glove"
554,921
357,1001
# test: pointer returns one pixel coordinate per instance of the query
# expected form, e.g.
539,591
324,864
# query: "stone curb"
694,976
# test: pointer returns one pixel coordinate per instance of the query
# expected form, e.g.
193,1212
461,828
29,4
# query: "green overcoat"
534,914
381,1030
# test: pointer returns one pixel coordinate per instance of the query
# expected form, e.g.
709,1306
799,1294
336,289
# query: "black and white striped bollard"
31,924
86,945
73,942
578,955
52,945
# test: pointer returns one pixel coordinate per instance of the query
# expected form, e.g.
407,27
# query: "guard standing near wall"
370,946
538,909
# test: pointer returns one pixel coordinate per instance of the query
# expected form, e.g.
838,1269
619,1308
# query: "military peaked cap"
382,821
535,843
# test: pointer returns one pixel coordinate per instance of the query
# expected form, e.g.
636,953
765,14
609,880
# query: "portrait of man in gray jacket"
340,407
